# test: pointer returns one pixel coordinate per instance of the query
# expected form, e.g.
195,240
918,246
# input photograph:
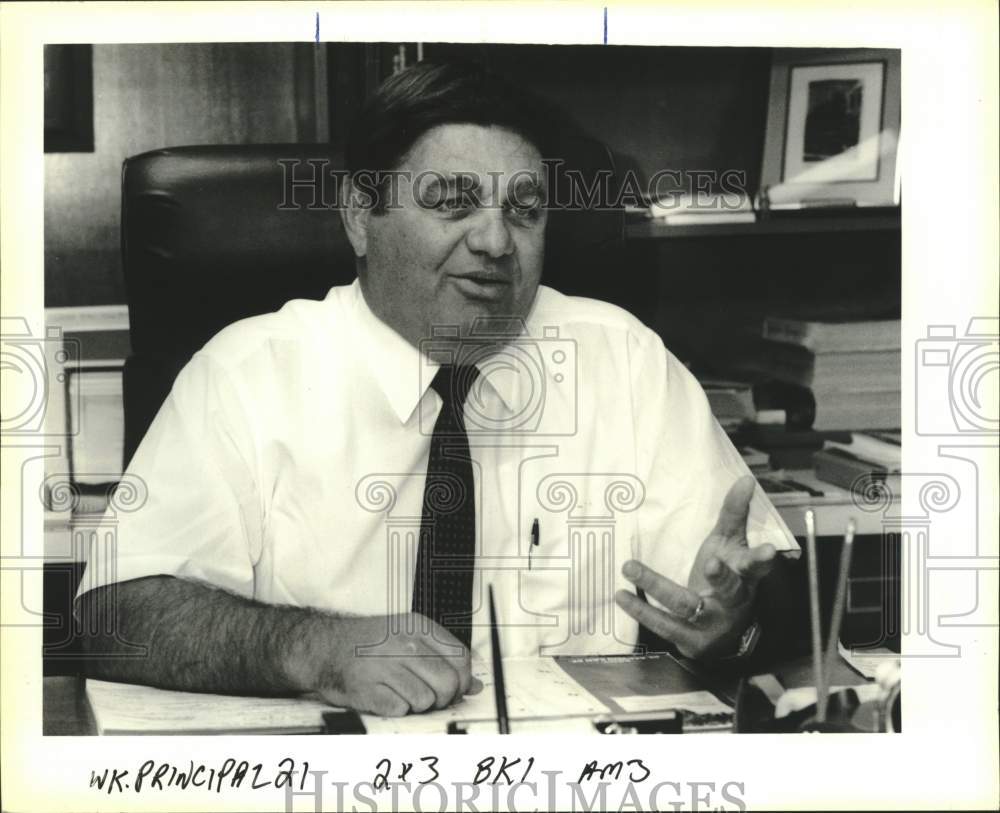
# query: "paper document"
124,708
695,702
565,725
795,699
867,661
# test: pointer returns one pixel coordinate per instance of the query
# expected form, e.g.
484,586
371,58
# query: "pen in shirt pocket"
534,540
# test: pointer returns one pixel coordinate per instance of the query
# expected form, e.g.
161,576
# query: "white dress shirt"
288,465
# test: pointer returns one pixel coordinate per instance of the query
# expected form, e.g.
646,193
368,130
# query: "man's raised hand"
706,618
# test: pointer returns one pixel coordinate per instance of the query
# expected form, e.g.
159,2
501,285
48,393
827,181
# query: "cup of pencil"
762,704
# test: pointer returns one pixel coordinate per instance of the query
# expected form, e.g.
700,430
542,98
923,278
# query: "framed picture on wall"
832,128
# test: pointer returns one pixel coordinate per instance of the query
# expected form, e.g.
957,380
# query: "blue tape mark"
317,28
605,25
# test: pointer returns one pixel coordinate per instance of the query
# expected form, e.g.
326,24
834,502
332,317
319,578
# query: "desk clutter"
126,709
595,695
851,368
828,697
853,462
867,459
832,374
817,396
864,709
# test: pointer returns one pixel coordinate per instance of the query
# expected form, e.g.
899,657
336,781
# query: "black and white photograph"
834,139
833,123
390,387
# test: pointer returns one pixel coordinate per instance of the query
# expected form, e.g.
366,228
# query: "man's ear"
355,212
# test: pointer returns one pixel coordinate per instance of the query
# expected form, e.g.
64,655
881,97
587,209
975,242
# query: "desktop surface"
66,710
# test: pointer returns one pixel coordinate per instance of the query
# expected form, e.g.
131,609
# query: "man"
332,487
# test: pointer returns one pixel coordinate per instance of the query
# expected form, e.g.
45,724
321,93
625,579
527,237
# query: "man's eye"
528,212
455,204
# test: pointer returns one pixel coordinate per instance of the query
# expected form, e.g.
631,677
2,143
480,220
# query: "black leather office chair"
205,242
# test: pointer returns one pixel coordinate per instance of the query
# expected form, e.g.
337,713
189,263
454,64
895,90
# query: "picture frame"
833,126
68,98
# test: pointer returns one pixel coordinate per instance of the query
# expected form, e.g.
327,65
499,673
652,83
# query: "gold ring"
693,618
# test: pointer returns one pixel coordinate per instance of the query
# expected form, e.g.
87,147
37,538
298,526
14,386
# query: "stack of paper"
703,208
124,708
852,367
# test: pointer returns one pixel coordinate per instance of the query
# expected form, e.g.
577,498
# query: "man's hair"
427,95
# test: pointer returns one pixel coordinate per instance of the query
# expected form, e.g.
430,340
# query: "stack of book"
851,368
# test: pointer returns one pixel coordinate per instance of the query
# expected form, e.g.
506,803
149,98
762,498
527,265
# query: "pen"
499,692
534,540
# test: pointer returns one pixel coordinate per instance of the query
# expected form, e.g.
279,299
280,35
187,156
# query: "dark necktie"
442,586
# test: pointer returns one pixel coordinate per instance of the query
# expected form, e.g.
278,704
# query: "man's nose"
490,233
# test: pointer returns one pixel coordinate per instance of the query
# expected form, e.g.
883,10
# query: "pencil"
817,645
839,602
499,691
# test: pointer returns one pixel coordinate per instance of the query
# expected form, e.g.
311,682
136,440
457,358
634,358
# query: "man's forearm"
198,638
194,637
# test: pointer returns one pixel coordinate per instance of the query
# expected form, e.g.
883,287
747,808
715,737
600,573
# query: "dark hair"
415,100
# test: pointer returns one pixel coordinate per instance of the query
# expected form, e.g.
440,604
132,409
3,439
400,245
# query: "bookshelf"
781,224
698,286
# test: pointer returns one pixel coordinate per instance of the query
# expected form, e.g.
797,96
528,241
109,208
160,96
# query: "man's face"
464,236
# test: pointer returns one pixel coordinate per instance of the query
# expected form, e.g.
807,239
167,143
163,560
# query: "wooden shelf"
785,223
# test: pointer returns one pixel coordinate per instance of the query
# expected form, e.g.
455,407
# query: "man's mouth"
483,286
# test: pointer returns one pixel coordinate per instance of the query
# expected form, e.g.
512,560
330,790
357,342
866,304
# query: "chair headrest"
208,237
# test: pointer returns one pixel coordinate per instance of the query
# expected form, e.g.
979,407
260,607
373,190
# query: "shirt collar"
398,367
404,374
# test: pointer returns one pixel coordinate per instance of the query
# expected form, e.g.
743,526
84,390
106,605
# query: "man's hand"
389,666
706,618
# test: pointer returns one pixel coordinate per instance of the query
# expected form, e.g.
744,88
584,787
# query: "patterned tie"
442,586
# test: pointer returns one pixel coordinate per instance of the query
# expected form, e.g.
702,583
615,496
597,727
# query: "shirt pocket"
572,576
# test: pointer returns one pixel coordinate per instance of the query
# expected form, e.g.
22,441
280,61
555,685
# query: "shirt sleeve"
197,515
689,465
